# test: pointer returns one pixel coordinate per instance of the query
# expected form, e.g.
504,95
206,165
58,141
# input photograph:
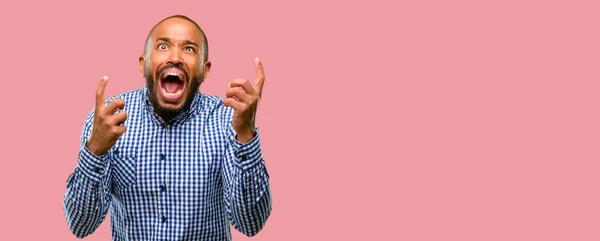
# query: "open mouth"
172,84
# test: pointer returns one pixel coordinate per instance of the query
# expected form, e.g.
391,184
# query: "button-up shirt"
187,179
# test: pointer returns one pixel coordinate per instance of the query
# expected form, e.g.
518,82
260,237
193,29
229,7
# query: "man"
169,162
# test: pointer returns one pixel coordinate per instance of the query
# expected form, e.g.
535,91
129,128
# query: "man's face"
173,69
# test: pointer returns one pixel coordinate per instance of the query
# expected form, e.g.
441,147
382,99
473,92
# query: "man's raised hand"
107,127
244,99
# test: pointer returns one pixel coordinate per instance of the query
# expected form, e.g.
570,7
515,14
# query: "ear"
142,64
207,65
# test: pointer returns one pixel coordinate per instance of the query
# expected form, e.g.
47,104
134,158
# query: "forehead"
177,29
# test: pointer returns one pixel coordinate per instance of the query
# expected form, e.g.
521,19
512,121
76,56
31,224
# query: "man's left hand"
244,99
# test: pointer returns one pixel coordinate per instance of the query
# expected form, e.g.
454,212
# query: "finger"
235,104
100,92
119,118
119,129
242,83
260,76
239,94
113,106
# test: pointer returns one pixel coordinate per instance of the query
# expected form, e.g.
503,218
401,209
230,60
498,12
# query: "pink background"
436,120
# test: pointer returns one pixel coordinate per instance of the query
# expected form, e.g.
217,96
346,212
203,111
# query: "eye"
190,49
162,46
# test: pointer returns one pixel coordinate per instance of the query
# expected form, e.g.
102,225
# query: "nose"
175,57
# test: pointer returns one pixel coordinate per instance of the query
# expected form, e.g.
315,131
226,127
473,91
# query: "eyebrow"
165,39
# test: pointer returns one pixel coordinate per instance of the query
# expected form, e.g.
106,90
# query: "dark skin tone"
176,43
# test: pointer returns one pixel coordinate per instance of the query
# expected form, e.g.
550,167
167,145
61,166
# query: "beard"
191,91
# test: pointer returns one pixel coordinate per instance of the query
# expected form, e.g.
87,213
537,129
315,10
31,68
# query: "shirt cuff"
92,166
247,154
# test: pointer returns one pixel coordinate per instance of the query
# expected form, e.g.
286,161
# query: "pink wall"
433,120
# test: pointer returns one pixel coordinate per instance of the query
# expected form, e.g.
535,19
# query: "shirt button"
163,188
97,170
162,156
243,157
116,152
163,219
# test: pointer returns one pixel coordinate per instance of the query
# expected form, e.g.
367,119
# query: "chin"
165,106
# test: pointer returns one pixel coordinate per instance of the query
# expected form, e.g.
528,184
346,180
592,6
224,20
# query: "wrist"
245,136
94,149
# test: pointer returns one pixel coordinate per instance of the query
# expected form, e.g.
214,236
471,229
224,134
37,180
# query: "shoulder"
211,99
131,96
133,99
214,105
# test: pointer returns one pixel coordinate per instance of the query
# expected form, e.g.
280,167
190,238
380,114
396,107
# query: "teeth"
174,94
172,74
171,94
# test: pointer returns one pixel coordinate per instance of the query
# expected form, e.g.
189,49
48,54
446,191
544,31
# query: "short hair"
203,43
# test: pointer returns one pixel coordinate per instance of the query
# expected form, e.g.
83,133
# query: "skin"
176,42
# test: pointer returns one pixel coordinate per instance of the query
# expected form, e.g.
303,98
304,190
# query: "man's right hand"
107,127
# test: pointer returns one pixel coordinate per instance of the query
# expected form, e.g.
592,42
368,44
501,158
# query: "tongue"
172,87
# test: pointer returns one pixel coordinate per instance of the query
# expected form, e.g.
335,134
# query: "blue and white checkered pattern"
185,180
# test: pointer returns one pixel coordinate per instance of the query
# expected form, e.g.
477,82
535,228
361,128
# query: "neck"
166,116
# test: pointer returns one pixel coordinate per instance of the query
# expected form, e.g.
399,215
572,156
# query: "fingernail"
105,77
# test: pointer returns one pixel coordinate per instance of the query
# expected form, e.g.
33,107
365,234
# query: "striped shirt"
183,180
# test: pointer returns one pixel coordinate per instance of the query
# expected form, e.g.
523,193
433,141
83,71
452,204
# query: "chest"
184,159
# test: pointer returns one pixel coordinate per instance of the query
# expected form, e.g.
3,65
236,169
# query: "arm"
87,197
88,194
245,183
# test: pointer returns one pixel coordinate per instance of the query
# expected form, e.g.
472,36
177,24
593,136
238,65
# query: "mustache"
179,67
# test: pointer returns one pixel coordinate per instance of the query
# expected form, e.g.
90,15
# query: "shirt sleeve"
87,198
246,182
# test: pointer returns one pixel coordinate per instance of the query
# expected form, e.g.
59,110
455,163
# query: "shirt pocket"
123,162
